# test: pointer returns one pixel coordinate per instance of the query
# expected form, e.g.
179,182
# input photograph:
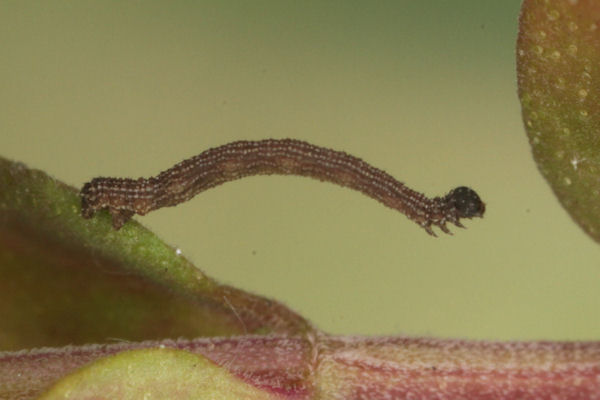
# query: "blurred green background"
424,90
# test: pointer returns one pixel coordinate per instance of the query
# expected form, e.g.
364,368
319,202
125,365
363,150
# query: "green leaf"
67,280
558,54
154,374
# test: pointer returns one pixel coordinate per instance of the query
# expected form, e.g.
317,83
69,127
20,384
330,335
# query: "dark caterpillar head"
466,202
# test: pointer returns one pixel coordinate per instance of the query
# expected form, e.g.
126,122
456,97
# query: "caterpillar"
124,197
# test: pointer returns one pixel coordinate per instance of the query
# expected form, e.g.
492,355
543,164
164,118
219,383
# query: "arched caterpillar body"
125,197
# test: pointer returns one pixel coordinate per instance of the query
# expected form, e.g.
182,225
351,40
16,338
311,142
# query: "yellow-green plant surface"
558,55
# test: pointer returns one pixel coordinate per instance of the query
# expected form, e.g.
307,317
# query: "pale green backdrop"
425,90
